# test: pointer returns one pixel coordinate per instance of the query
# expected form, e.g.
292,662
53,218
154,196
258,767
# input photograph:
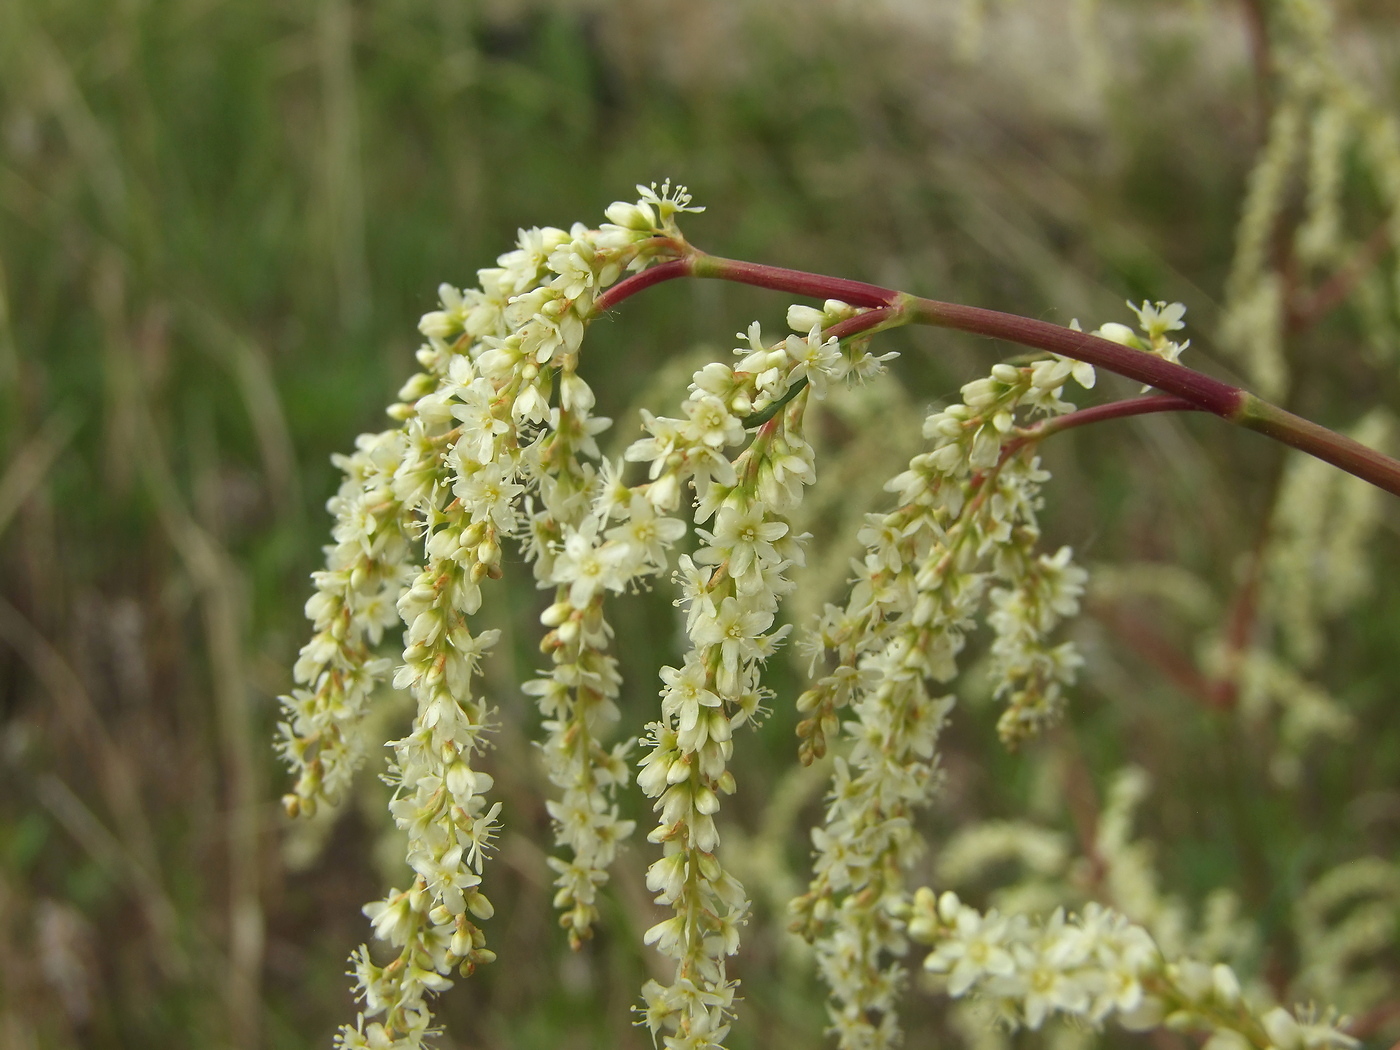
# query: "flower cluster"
731,590
1155,320
497,446
1029,673
1096,966
966,516
356,593
1298,224
577,696
494,434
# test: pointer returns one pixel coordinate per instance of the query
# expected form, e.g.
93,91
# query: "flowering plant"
496,449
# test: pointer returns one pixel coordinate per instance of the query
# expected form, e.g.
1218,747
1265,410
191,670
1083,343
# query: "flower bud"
802,319
949,906
637,216
461,943
1227,985
1120,333
706,801
1283,1029
556,614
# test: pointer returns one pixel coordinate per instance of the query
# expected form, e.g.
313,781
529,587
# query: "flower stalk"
1200,391
496,460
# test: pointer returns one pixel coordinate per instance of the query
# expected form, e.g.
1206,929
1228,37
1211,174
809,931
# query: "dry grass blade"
111,765
29,467
248,364
109,851
220,589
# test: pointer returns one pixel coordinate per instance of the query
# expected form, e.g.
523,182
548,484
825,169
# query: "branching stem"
1133,406
1200,391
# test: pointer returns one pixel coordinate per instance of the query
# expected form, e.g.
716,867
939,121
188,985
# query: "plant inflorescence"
496,449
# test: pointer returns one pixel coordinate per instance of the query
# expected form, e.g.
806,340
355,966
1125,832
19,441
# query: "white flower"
973,951
588,566
710,424
669,936
445,876
744,538
686,693
664,441
393,918
668,200
447,322
480,427
733,628
647,534
1160,318
491,492
574,264
813,360
613,497
477,835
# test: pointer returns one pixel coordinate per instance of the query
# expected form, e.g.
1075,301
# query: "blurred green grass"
219,222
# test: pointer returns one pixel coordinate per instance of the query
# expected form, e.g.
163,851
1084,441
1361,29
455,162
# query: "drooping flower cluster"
498,446
731,590
1098,966
966,516
577,697
1312,569
499,418
356,593
1300,225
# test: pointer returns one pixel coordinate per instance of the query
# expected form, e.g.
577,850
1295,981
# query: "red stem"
881,315
1133,406
1211,395
1202,391
640,282
1207,394
798,282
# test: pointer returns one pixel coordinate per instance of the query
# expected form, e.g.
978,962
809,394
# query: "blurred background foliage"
219,222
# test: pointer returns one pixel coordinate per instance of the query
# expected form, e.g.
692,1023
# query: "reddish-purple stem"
798,282
1201,391
1133,406
779,279
861,322
640,282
